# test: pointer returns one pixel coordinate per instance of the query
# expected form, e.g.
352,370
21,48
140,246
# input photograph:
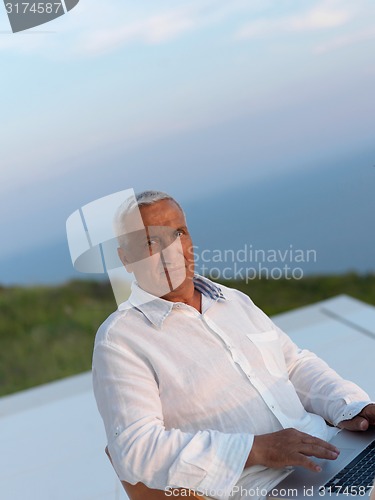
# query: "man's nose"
172,251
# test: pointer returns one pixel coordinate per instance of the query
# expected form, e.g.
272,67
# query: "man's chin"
164,287
170,283
178,287
175,277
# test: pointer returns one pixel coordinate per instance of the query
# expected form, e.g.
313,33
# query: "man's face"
161,256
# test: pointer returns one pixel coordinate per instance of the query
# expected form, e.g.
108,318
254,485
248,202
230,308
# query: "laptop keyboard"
359,473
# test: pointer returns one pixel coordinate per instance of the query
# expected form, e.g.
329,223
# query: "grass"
276,296
47,333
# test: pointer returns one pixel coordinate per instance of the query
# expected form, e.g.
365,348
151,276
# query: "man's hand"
290,447
360,422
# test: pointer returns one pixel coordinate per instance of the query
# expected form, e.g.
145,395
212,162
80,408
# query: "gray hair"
145,198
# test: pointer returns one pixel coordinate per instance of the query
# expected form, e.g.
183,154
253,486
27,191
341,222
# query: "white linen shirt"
183,393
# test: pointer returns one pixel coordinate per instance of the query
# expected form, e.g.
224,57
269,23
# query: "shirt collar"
157,309
207,287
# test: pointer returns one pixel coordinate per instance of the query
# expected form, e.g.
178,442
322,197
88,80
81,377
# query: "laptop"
351,474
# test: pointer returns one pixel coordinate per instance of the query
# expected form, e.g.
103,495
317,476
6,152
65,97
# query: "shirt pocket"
269,345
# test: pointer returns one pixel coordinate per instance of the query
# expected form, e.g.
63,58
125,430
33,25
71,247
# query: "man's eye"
179,232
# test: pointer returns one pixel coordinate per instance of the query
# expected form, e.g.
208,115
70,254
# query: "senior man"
196,386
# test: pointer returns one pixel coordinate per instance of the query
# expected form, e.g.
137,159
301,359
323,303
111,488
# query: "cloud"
340,42
91,29
324,16
94,28
155,29
157,26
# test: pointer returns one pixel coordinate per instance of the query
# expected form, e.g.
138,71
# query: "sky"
193,98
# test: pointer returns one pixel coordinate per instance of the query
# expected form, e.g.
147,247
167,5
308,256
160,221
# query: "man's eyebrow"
150,228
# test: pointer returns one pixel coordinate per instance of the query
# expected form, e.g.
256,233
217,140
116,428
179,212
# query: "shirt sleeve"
141,448
320,388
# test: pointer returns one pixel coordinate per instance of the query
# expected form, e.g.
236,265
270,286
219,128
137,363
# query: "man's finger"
308,464
368,413
355,424
313,441
313,450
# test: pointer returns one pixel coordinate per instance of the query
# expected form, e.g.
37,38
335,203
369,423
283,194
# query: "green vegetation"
48,332
276,296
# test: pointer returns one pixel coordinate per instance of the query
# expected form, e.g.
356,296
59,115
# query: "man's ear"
124,260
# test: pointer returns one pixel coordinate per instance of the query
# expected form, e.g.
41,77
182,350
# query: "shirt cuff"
350,410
